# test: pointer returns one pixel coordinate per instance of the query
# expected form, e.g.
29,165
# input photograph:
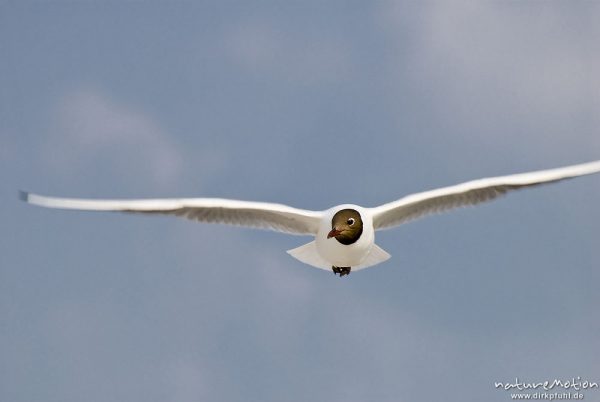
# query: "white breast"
339,254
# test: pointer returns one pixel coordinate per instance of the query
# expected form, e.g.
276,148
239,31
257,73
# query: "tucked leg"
341,270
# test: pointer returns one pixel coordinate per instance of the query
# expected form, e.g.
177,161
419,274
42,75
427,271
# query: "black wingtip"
24,196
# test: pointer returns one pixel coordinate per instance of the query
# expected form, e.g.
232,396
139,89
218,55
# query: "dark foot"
341,270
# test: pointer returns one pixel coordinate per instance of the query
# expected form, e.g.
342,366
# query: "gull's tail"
308,254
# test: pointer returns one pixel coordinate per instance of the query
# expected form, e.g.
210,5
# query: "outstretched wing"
277,217
470,193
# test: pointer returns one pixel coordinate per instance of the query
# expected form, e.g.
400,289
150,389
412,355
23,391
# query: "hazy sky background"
311,104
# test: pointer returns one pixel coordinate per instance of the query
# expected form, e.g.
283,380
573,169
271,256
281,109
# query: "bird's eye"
350,221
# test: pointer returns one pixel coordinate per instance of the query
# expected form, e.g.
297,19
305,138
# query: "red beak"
334,232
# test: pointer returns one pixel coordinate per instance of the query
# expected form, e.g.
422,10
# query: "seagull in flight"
344,236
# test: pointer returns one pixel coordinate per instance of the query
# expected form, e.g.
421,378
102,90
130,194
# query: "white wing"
281,218
470,193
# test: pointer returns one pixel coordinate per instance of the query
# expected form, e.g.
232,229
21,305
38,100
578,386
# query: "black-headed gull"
345,234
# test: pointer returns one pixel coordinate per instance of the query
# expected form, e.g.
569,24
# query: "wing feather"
418,205
260,215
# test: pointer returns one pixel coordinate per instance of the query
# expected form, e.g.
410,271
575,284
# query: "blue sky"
311,105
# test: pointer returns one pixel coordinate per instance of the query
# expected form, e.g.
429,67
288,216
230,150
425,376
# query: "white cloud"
93,128
530,63
186,381
545,64
261,47
7,147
